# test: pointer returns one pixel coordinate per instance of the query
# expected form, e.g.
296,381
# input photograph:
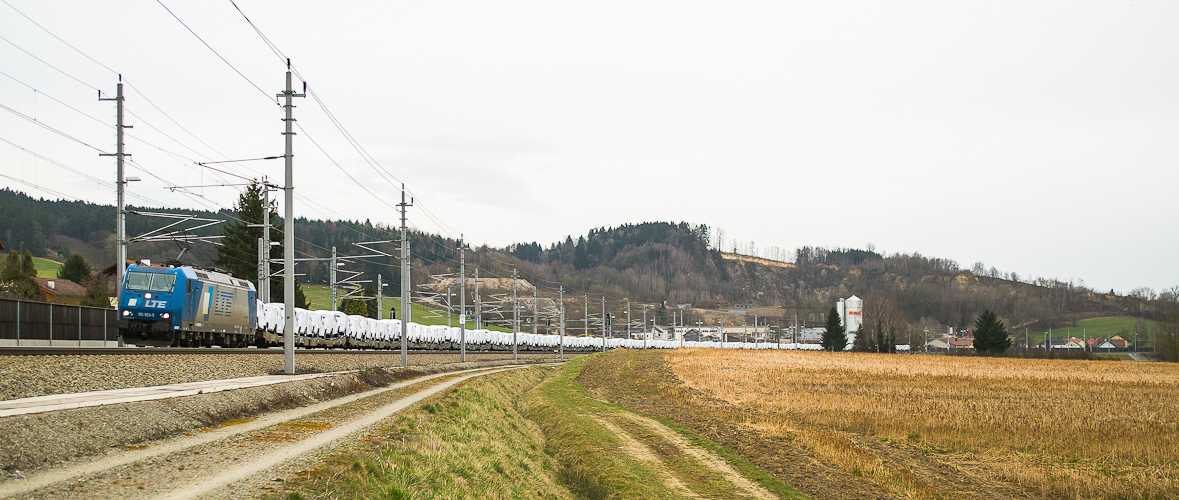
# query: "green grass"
592,466
472,442
321,299
46,268
1092,328
1112,325
590,463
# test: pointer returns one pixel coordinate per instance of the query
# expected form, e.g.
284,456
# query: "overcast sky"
1036,137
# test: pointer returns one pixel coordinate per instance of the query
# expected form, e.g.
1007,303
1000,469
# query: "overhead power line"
51,129
218,54
67,44
30,54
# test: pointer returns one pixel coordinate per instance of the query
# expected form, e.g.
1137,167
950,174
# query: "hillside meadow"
1054,428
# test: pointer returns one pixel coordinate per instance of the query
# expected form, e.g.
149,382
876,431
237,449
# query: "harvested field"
927,426
859,426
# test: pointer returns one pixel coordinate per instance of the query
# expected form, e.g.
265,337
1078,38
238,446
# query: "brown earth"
644,382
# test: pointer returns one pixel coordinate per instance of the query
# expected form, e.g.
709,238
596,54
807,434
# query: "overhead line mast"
405,299
288,285
121,182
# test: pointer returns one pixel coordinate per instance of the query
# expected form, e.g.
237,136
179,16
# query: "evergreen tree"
27,266
96,296
300,297
580,256
833,339
75,269
353,307
1167,337
864,342
990,336
238,251
18,276
12,267
370,305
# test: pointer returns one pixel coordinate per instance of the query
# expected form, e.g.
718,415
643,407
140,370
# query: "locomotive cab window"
163,282
138,281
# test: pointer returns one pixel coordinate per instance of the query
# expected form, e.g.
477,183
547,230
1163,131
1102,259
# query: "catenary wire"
219,56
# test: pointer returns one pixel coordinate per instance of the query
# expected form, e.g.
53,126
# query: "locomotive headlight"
147,295
126,312
166,316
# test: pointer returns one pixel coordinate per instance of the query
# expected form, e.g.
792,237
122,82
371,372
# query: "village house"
60,291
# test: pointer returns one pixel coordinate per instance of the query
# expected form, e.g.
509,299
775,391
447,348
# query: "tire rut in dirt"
643,381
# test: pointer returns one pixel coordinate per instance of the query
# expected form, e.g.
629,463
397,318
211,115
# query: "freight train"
189,307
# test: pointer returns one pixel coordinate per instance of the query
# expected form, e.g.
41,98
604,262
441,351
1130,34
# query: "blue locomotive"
186,307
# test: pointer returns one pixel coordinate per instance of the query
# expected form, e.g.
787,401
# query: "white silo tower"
854,307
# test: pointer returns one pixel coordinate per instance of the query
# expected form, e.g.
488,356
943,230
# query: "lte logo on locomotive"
158,304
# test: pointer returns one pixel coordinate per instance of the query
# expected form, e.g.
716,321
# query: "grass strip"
470,442
590,463
745,467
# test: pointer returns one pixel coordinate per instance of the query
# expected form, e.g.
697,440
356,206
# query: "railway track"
107,351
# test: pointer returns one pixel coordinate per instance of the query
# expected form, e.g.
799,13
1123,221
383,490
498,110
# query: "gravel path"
205,464
30,376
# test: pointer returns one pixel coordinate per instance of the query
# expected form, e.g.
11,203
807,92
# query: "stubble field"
936,427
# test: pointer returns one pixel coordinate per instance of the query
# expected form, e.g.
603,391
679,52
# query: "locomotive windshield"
138,281
153,282
163,282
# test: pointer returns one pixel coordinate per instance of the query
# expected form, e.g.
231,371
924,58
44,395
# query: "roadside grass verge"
743,466
533,433
587,454
471,442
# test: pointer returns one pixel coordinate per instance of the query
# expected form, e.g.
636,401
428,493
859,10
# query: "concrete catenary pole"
264,289
261,270
604,325
120,185
535,312
515,314
405,298
561,339
462,300
586,314
478,310
644,326
288,230
332,279
380,296
628,320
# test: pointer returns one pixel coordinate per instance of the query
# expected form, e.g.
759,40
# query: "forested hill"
675,263
54,229
651,262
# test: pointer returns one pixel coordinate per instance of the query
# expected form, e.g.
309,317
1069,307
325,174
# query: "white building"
851,313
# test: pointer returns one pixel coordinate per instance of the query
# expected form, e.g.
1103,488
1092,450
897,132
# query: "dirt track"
645,382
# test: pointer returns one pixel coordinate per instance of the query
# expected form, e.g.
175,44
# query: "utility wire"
364,154
219,56
47,190
30,87
51,129
58,38
30,54
145,98
77,172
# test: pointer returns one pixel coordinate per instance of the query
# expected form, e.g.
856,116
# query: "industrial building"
851,313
